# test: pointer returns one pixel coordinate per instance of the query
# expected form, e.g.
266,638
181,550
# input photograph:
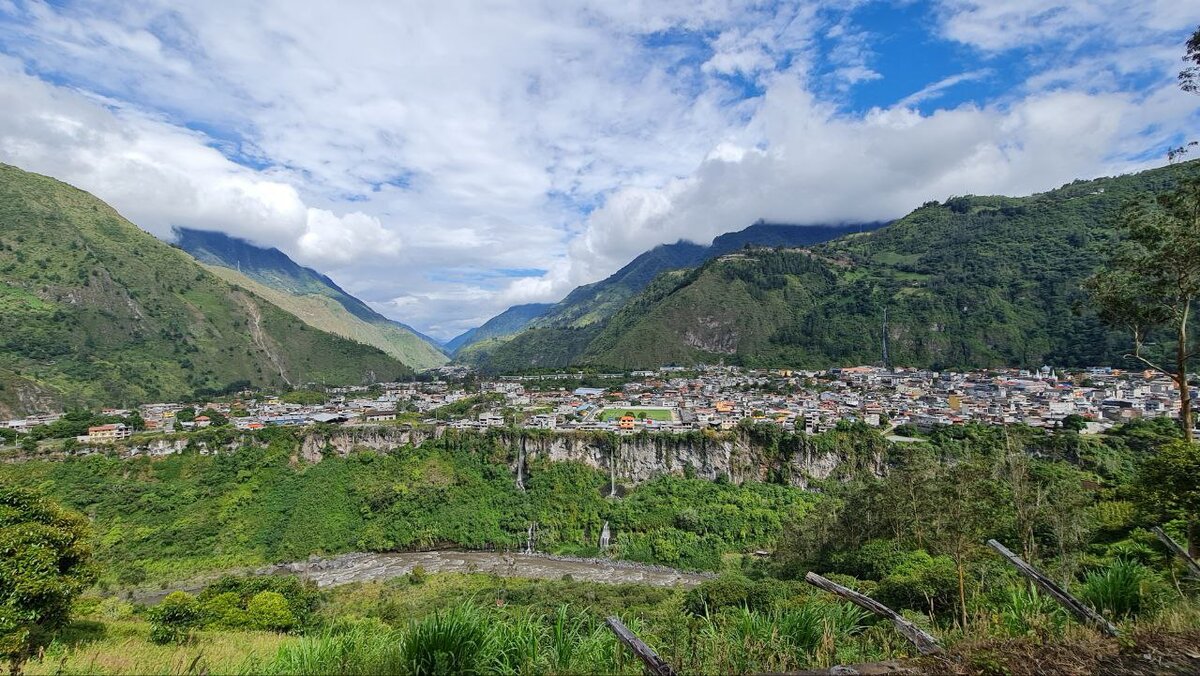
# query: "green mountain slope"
96,311
972,282
559,336
505,324
309,295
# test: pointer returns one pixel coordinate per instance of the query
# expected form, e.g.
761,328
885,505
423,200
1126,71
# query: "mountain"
970,282
560,335
96,311
505,324
308,294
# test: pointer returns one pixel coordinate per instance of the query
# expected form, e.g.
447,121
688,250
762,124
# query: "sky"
445,160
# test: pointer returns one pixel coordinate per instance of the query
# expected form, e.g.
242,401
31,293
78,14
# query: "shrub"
1122,589
172,620
224,611
269,610
302,596
712,595
921,582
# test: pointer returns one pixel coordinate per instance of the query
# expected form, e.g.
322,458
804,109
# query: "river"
369,567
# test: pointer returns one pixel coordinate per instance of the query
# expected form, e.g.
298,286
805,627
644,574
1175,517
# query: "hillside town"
674,399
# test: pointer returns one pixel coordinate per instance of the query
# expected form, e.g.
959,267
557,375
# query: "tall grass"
1122,589
454,642
363,650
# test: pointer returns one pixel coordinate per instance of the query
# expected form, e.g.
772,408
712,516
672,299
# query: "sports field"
659,414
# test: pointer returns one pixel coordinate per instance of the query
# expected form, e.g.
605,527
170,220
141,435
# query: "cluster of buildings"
675,400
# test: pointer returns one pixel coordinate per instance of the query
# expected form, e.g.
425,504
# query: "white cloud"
411,150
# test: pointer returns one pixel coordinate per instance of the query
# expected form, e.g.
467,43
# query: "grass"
657,414
123,647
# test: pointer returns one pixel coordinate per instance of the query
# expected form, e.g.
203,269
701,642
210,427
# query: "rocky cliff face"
637,458
628,459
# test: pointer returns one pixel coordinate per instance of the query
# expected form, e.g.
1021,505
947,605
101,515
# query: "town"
676,399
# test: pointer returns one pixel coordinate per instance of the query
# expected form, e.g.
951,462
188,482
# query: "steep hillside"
559,336
972,282
505,324
96,311
308,294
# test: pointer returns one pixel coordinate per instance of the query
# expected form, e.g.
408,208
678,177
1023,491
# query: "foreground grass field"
658,414
100,645
482,624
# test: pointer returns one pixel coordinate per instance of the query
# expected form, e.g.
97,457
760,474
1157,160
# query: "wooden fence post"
926,644
1192,566
654,664
1072,604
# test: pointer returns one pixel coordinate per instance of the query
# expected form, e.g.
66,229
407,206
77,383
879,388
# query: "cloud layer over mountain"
444,161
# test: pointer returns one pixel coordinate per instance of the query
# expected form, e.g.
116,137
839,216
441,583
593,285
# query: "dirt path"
367,567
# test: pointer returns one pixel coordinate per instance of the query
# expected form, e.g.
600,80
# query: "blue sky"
444,161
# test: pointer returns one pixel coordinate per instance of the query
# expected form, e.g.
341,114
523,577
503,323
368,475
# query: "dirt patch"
1142,654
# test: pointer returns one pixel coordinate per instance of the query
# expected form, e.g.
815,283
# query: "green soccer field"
659,414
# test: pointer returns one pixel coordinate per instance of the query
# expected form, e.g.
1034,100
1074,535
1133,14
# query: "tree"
44,564
187,414
1152,280
1168,487
1189,77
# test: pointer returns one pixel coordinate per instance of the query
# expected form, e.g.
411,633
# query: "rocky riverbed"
368,567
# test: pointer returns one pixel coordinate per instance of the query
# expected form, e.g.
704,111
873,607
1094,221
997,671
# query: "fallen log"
925,643
1072,604
654,664
1192,566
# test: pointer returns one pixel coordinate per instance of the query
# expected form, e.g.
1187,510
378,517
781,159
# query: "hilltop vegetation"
561,333
312,297
98,312
501,326
971,282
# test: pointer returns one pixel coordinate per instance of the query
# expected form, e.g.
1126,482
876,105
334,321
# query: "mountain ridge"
575,319
100,312
306,293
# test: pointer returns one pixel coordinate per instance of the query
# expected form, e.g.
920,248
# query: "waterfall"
521,465
612,465
604,538
531,538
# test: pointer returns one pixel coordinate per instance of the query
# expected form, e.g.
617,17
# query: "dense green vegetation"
98,312
561,333
306,293
970,282
501,326
167,517
1076,506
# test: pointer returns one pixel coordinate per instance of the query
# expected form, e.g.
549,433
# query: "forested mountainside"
308,294
505,324
98,312
562,330
971,282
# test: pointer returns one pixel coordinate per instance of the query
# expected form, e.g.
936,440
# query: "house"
375,415
626,422
104,434
202,421
491,419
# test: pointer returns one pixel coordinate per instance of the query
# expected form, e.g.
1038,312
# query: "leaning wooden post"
1072,604
654,664
926,644
1192,566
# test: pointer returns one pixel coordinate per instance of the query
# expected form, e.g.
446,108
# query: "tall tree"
1189,77
44,564
1151,282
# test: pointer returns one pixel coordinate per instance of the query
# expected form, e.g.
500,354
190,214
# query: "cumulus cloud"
420,152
